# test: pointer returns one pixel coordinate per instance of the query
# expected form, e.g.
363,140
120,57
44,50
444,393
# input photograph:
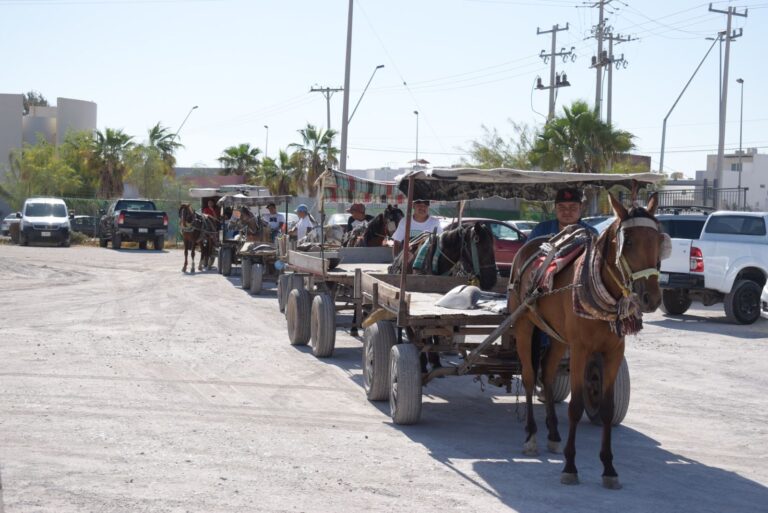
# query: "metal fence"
699,198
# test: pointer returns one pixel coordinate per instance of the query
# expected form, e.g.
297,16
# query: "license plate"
46,234
663,278
143,230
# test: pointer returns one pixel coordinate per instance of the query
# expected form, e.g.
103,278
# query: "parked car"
44,220
134,220
5,226
507,240
524,226
87,225
595,220
339,219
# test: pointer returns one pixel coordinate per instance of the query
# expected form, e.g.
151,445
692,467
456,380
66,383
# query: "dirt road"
129,386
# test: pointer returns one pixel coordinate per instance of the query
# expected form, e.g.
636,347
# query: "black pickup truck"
133,220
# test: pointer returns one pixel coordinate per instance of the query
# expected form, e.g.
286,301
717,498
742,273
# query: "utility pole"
345,110
555,80
620,62
327,92
601,59
729,36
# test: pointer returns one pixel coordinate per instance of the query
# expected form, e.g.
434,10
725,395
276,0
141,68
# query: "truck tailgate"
680,258
142,219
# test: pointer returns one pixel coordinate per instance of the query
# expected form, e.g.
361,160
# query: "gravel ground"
129,386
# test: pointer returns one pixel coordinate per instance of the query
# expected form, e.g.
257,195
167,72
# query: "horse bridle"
471,252
627,276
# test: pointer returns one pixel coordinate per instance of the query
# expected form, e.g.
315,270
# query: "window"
683,228
737,225
736,166
45,210
504,232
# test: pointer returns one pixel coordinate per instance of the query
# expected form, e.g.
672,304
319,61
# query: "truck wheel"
378,340
117,241
405,384
143,244
742,304
245,274
323,325
297,313
674,301
621,393
159,243
256,278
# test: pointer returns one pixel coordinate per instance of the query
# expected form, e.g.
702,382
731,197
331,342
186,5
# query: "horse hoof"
567,478
530,448
553,447
611,482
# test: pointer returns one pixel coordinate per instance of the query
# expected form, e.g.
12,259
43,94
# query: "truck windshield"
45,210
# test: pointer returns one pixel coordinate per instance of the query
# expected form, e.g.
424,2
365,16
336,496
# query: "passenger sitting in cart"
304,224
357,217
230,223
421,222
210,209
275,220
568,206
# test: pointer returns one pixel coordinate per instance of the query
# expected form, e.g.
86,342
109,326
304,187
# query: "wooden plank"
308,262
374,255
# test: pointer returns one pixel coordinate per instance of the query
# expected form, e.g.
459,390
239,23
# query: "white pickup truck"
728,264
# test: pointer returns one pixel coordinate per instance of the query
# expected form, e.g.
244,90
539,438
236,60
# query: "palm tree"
282,175
110,149
240,160
164,141
315,153
579,141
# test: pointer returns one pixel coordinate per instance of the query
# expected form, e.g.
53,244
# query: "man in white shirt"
303,224
420,222
275,220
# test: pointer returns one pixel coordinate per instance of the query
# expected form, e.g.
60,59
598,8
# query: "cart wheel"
620,391
282,287
297,312
378,340
245,275
256,278
225,260
323,325
405,388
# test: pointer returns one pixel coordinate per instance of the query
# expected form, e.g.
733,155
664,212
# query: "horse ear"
653,203
618,208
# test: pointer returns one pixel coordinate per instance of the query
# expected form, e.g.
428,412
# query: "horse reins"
627,276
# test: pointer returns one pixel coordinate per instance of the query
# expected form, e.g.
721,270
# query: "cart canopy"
224,190
251,201
338,187
455,184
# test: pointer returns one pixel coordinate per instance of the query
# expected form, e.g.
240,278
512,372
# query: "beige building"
754,176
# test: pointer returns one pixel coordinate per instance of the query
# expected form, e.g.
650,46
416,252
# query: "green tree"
36,170
33,98
315,153
110,151
77,151
165,142
493,151
282,175
579,141
241,160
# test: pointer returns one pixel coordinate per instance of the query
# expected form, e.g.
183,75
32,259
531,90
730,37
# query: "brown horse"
376,231
197,229
256,229
618,272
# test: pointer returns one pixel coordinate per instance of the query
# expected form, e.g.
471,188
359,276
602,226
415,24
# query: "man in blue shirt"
567,212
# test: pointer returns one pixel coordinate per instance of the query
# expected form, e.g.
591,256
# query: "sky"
462,64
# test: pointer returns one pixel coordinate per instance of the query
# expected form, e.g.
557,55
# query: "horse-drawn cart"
405,324
255,246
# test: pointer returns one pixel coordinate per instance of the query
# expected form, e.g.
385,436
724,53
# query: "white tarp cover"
252,201
454,184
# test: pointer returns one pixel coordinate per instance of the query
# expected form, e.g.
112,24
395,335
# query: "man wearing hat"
274,219
421,222
567,212
357,217
304,223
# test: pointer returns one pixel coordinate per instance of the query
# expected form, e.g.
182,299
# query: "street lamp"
417,138
182,123
266,143
377,68
741,126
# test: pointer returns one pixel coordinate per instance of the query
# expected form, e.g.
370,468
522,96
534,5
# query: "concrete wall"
11,108
74,115
754,175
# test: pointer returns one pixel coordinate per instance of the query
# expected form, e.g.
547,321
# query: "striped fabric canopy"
338,187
